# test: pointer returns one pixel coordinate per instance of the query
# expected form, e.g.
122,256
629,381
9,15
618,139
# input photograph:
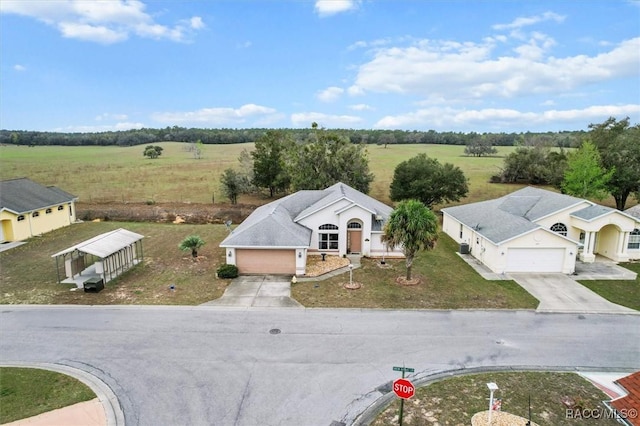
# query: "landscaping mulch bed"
316,266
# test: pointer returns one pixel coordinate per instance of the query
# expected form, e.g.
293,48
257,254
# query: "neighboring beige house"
28,209
535,230
277,237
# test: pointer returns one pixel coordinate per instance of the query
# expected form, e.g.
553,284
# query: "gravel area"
316,267
498,418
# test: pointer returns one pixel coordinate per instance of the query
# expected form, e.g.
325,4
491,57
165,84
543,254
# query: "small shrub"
227,271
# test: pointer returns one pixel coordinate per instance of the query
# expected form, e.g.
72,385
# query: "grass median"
454,401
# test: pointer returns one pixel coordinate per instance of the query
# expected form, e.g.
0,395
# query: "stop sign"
404,388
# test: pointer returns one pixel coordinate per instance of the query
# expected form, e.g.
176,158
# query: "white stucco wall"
564,217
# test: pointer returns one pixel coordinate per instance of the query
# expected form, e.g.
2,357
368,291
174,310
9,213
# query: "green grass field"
26,392
122,174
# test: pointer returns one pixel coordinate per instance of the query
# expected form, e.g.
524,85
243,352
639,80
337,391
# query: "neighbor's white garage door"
251,261
535,260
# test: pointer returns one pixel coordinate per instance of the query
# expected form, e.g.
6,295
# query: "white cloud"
216,116
18,67
473,71
447,118
361,107
529,20
330,94
332,7
101,21
304,119
108,116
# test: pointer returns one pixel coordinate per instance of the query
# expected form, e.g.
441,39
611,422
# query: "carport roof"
105,244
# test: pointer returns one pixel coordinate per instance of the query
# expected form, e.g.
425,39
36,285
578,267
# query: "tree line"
232,136
607,162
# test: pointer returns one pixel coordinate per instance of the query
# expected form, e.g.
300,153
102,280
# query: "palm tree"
193,243
413,227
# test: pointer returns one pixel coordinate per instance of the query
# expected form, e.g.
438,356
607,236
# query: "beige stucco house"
277,237
535,230
28,209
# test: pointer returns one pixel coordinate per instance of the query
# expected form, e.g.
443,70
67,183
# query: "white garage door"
535,260
266,261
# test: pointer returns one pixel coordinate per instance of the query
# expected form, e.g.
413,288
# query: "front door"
355,241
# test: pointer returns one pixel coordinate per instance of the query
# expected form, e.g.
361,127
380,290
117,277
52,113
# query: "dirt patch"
498,418
415,280
352,285
164,212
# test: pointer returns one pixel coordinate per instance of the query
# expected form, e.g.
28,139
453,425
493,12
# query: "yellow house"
28,209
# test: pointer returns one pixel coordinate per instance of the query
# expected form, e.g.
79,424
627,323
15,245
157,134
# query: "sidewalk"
88,413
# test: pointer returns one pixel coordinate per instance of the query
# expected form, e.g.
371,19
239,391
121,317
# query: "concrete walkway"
560,293
264,291
354,259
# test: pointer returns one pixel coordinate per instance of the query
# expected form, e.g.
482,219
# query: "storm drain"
275,331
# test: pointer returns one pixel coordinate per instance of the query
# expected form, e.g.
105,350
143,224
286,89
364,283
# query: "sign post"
403,388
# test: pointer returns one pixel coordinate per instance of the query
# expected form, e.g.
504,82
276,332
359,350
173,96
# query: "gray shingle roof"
512,215
275,224
23,195
634,211
592,212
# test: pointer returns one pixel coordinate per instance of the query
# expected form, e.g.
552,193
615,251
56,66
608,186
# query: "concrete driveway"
560,293
264,291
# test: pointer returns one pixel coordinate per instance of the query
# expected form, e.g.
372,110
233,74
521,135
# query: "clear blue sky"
485,66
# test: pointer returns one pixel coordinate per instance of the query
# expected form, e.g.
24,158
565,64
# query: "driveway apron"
265,291
560,293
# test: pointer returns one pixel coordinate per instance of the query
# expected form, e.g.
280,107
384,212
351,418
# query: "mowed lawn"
122,174
448,283
28,273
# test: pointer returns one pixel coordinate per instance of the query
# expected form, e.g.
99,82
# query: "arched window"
20,218
354,225
559,228
634,240
35,214
328,226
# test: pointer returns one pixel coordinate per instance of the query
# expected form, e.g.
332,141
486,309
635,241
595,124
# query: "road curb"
108,399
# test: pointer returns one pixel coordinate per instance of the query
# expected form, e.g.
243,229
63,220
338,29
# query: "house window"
328,242
460,231
20,218
328,226
60,208
35,214
354,225
634,240
559,228
48,211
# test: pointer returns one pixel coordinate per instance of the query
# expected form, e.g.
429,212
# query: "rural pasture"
122,174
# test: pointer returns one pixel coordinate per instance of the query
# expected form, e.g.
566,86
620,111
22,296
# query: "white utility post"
492,388
350,274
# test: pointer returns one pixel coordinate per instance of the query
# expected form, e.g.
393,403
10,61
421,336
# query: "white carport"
105,256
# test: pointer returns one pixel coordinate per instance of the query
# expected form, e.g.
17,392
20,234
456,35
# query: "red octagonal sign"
404,388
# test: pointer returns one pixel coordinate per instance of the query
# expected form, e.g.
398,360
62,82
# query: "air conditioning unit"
464,248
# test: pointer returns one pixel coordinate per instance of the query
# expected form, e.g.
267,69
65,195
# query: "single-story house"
28,209
277,237
535,230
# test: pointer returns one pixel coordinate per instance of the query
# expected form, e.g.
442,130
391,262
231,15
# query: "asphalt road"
220,366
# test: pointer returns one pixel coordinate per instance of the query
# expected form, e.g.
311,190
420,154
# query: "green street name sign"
405,369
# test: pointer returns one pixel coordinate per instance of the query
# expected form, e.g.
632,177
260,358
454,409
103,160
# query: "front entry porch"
609,242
